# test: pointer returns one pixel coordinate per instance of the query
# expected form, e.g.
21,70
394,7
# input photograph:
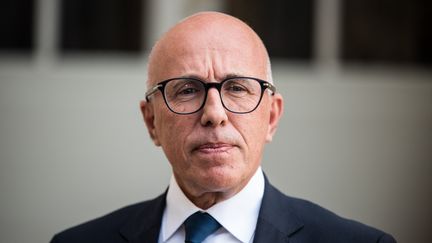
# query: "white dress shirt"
238,215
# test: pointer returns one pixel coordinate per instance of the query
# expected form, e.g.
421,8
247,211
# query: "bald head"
205,45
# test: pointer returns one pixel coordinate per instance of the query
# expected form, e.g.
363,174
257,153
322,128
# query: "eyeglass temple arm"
151,91
270,87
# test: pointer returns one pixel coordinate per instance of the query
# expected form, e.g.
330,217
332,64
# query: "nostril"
208,124
213,124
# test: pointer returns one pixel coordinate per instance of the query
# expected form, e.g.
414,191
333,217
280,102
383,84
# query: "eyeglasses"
188,95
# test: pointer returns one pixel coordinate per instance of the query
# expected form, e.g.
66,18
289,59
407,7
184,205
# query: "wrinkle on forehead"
210,33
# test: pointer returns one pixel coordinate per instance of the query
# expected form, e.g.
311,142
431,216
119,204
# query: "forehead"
208,50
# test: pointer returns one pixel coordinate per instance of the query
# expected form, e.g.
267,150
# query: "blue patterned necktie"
198,226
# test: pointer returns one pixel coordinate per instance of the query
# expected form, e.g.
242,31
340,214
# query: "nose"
214,114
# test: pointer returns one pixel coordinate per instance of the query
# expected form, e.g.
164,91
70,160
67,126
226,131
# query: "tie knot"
198,226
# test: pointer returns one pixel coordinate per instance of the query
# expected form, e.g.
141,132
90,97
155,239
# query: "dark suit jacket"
281,219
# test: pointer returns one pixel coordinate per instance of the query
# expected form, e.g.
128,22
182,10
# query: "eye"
188,89
236,88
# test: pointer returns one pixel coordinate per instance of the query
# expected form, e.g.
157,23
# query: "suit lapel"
276,220
145,225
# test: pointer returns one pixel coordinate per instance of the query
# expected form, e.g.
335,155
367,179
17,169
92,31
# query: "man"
211,106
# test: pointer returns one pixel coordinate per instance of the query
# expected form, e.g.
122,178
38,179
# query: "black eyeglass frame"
207,86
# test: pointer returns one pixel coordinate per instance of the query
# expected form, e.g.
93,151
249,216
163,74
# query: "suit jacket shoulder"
287,219
135,223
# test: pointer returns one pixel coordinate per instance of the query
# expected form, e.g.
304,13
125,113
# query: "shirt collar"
238,215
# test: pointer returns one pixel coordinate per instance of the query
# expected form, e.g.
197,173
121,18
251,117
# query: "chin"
221,179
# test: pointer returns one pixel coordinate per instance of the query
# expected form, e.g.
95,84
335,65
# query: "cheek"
261,119
253,129
173,131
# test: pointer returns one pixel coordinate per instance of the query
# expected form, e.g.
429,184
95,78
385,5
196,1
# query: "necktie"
198,226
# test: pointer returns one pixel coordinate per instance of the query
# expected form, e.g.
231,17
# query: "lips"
214,148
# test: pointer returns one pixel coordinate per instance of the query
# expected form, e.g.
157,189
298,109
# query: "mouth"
211,148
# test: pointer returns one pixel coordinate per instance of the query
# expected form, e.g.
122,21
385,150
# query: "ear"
276,111
147,111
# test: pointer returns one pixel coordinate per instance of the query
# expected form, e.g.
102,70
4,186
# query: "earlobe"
276,111
147,111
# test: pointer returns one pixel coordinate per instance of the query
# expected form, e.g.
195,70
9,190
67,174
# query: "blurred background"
356,136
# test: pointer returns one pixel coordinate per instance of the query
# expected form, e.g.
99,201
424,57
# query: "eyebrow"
227,76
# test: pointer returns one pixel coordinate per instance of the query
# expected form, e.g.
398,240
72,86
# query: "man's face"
212,150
